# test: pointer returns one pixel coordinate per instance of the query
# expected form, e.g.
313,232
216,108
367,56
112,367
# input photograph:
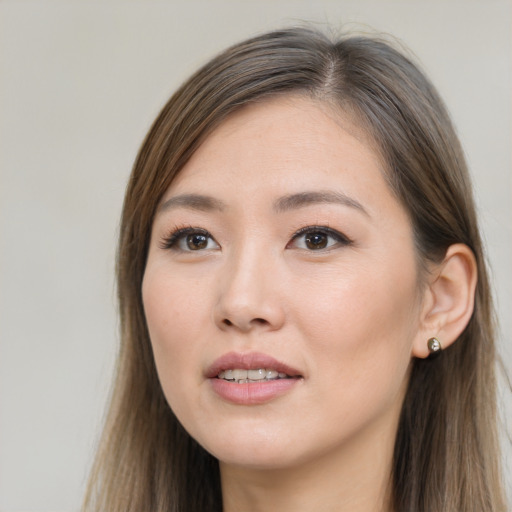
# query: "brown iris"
316,240
197,241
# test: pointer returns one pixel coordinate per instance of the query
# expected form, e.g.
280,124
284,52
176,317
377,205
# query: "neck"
355,478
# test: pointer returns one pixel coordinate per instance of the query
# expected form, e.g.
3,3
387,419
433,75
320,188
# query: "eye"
189,239
317,238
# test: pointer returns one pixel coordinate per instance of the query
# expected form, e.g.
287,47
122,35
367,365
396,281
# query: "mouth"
243,368
251,378
243,376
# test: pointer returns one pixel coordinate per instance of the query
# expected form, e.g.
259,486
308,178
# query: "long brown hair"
446,452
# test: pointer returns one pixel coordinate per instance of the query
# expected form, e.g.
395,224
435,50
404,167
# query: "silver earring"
434,347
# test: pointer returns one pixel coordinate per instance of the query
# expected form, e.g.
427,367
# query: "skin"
346,316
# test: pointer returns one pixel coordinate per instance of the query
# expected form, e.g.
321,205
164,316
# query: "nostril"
260,321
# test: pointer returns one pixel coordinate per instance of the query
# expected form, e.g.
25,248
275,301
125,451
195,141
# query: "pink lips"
250,393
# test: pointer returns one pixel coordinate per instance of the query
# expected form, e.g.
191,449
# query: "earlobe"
449,299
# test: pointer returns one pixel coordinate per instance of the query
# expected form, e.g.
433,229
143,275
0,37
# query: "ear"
448,300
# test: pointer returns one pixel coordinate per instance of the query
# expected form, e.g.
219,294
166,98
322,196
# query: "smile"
242,376
251,378
252,366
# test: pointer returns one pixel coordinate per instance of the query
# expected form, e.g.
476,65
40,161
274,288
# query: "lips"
242,376
249,361
224,372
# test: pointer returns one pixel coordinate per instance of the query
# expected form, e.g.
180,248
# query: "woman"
306,318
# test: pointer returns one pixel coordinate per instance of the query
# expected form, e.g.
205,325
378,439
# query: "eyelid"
171,241
333,233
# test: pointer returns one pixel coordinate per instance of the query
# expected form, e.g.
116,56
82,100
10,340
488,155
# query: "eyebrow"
193,202
283,204
303,199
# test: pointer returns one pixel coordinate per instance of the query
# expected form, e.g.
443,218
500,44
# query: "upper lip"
248,361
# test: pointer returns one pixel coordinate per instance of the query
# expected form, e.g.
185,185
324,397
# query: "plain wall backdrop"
80,83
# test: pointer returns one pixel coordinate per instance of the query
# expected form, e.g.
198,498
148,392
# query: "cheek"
176,316
367,298
362,325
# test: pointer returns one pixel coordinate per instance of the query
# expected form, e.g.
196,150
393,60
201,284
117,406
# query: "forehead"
283,140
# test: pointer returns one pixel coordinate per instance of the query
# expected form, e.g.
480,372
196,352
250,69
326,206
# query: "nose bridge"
249,289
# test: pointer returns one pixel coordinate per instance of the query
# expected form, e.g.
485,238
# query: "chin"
259,459
250,450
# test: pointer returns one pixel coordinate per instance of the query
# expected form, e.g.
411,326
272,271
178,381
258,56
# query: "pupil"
195,242
316,241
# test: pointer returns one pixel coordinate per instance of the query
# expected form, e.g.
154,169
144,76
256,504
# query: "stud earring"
434,347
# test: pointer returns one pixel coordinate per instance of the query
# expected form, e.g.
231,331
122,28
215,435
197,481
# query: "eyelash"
172,240
340,238
178,234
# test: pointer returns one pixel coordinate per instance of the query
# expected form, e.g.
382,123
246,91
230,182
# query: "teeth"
257,374
240,374
228,375
244,376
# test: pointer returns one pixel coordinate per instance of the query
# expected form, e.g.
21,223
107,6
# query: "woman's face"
281,289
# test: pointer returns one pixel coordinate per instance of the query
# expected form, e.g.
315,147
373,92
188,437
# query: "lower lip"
252,393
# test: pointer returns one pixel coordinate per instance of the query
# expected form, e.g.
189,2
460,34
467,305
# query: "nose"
249,293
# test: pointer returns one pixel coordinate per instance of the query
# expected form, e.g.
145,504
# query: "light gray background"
80,83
